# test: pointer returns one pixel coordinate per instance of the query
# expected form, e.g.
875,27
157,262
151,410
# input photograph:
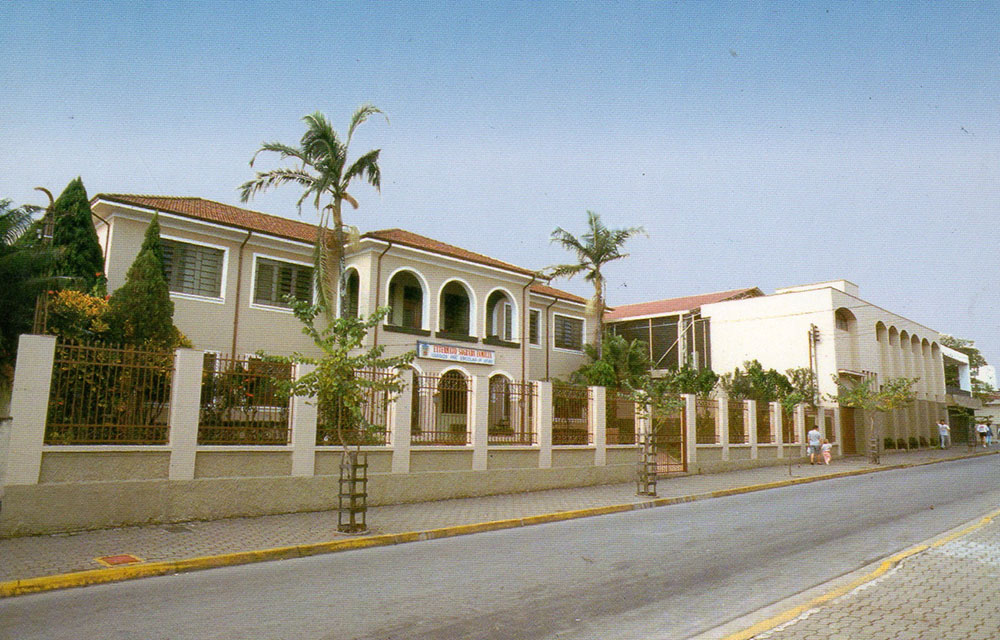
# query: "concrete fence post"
29,405
691,428
821,421
480,416
543,424
304,416
837,430
750,411
779,428
597,416
722,419
185,408
400,429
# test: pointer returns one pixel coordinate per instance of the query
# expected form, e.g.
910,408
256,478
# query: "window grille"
275,280
534,322
568,333
193,269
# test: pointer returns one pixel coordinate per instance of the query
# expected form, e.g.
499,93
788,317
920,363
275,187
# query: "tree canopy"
78,253
594,249
322,170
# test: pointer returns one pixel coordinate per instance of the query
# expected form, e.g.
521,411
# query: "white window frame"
583,332
253,282
221,299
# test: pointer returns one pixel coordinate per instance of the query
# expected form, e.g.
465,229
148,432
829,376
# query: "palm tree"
22,270
593,249
323,173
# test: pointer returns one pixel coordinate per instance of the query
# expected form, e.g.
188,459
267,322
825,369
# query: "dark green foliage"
79,255
687,379
22,272
756,384
141,311
151,242
622,364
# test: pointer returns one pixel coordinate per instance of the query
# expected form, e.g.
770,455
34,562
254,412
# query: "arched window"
498,421
500,316
406,298
454,390
350,294
844,319
455,310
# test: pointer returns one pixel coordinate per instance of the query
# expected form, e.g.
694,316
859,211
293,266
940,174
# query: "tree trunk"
598,315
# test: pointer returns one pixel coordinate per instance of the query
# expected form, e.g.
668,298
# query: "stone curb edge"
118,574
883,568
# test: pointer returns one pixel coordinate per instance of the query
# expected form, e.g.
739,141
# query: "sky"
759,144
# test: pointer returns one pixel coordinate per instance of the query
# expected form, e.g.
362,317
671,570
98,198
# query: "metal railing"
669,436
570,422
828,429
765,430
440,412
738,432
104,394
511,412
789,435
706,426
244,401
619,417
373,428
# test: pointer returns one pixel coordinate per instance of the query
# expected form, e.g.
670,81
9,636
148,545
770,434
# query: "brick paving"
36,556
948,592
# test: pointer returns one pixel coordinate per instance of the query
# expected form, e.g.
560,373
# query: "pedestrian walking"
982,429
827,449
813,439
944,433
989,435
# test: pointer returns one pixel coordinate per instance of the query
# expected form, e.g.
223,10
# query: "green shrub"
888,443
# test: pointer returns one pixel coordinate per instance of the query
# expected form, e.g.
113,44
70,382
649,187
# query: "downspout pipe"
239,286
525,325
548,336
378,286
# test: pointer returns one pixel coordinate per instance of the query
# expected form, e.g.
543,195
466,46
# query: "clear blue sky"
760,144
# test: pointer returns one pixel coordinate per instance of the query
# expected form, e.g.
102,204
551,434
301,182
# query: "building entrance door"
848,435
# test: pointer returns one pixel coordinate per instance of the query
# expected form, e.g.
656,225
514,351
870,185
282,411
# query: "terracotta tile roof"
217,212
410,239
673,305
546,290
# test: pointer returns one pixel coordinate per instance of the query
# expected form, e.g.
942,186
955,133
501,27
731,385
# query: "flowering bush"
76,315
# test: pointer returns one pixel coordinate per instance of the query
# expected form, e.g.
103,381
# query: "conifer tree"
140,312
79,254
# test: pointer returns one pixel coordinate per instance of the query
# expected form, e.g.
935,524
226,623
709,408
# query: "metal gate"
668,437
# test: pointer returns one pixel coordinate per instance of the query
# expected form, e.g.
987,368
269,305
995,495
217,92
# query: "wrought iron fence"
765,430
669,435
619,417
373,429
244,401
738,432
570,424
511,412
829,431
103,394
441,409
706,425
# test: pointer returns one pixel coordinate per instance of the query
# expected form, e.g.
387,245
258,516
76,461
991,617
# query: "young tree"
22,272
324,174
875,399
74,238
594,249
335,386
687,379
140,312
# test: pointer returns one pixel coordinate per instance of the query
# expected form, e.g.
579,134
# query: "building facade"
229,269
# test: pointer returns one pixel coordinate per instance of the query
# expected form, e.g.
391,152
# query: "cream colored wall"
774,330
96,466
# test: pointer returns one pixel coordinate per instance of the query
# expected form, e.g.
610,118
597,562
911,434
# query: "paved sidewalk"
947,592
38,556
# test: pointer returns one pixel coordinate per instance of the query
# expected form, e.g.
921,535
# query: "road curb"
889,563
118,574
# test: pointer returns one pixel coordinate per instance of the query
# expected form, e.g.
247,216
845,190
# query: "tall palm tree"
593,249
325,176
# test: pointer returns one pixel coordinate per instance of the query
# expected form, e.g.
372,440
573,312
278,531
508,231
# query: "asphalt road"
670,572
